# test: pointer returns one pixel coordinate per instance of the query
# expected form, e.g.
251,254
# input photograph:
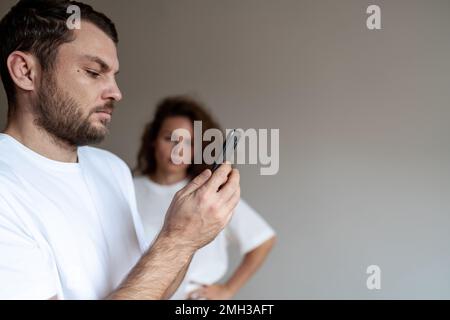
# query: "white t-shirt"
66,229
246,228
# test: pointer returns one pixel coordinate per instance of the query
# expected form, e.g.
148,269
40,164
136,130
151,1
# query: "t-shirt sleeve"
26,271
247,228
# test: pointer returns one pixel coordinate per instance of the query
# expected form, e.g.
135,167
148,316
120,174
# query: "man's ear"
23,69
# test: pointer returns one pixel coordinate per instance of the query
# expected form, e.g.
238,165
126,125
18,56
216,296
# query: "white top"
66,229
246,228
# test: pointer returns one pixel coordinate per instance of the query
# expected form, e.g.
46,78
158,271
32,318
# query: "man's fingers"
219,177
197,182
231,204
231,186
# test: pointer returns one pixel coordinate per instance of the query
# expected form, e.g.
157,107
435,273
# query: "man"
69,228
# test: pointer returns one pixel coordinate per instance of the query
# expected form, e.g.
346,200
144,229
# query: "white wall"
364,124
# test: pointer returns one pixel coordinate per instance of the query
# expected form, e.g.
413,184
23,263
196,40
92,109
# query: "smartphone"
228,150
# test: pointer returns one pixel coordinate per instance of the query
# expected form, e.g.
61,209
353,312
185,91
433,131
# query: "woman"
159,179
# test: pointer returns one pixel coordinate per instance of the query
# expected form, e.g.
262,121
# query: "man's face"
75,99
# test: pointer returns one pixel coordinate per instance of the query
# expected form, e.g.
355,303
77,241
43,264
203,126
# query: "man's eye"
93,74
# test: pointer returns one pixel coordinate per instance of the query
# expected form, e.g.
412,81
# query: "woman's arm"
249,265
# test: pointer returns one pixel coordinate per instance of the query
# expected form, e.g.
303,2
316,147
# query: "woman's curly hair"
173,106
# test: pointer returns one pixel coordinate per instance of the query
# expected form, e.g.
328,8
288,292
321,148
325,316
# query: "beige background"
364,124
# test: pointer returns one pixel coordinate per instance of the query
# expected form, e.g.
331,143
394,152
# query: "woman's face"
164,144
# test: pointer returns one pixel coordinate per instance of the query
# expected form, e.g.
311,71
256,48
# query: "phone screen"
228,150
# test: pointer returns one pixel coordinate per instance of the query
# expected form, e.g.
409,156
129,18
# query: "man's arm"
175,285
155,272
196,215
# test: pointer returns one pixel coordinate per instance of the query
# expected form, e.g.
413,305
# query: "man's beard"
62,117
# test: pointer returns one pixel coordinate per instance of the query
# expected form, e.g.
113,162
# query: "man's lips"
104,114
107,111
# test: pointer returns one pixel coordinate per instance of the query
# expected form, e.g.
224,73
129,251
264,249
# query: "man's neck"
23,129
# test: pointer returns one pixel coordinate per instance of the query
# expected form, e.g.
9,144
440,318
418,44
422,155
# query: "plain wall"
364,128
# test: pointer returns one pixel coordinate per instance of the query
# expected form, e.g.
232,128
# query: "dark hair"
39,27
174,106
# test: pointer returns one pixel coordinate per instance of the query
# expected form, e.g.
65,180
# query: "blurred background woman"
157,181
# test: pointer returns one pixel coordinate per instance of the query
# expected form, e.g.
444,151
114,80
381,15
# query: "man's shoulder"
102,157
7,174
10,185
100,154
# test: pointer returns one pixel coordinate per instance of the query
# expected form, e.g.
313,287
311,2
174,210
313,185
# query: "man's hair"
39,27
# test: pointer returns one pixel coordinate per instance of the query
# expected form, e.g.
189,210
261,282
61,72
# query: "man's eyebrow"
103,65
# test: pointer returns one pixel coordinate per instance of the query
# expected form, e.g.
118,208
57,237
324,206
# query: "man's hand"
195,217
203,208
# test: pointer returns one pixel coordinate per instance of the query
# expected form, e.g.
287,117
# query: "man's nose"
113,92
